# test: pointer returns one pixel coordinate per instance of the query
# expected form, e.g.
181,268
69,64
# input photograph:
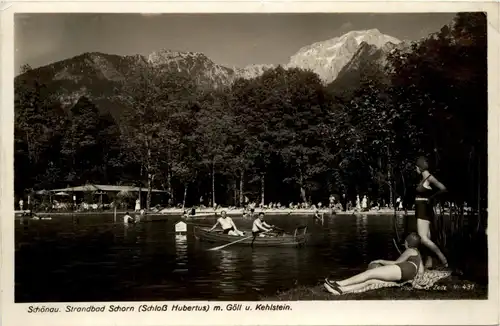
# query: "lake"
88,258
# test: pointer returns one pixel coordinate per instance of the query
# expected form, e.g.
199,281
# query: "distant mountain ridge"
98,75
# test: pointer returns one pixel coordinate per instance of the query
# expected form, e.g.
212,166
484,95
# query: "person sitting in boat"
404,269
227,224
128,219
259,226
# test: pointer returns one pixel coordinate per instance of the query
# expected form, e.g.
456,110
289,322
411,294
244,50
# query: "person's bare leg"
423,227
428,260
357,287
389,273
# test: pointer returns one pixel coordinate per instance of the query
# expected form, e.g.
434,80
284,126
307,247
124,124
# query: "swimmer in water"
128,219
250,214
36,217
403,269
318,216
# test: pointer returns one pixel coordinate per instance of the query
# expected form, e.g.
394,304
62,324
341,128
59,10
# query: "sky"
228,39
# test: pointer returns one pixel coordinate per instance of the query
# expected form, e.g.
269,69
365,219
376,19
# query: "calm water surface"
88,258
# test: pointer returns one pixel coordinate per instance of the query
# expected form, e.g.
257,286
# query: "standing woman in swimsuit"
424,209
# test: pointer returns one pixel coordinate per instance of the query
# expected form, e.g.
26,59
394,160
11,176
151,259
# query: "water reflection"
362,234
148,261
228,269
400,221
125,230
181,253
260,263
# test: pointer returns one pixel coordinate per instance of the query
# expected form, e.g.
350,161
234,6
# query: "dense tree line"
281,137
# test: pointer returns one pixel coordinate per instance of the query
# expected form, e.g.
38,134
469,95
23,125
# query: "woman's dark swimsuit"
409,268
423,206
226,231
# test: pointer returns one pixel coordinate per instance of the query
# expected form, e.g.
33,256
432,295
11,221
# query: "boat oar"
396,245
239,240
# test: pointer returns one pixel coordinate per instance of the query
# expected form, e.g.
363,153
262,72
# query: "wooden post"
262,189
184,198
242,175
213,183
29,206
140,199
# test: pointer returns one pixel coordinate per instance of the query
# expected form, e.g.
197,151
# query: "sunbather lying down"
406,268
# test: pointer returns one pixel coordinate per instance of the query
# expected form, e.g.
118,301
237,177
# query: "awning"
105,188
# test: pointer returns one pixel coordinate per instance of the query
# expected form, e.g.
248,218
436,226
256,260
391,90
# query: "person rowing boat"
259,227
227,225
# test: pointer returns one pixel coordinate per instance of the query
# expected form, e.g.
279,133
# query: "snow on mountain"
327,58
99,75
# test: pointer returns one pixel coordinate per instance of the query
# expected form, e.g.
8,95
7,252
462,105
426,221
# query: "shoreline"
229,212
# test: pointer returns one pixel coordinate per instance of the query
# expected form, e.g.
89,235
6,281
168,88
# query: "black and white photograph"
257,157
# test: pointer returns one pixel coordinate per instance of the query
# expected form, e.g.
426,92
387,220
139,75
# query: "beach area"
233,212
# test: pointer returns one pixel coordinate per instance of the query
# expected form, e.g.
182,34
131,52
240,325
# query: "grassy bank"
452,288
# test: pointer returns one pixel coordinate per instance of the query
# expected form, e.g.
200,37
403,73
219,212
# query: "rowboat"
274,239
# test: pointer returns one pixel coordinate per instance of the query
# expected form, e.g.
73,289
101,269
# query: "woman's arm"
405,255
439,185
384,262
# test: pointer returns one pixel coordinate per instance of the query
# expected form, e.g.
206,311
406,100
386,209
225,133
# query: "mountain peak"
373,31
98,75
327,58
165,55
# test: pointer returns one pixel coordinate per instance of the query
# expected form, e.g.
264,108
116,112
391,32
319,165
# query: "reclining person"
405,268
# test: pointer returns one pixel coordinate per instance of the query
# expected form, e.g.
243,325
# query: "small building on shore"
107,194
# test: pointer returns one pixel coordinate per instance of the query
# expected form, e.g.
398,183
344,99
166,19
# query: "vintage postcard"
249,163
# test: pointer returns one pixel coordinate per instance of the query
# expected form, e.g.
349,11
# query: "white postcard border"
435,312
